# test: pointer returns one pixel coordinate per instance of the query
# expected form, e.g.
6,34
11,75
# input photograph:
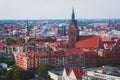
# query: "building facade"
72,32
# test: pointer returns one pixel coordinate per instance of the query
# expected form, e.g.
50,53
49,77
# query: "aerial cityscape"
53,40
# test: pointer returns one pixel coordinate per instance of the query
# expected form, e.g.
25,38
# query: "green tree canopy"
21,40
2,71
2,59
49,39
42,71
17,73
9,75
10,41
9,61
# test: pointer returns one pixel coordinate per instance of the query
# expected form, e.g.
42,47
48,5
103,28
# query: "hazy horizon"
58,9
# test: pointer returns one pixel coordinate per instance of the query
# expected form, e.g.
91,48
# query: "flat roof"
57,72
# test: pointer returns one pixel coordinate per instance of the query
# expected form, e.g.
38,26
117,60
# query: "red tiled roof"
89,42
67,70
73,51
41,54
61,44
106,38
33,54
21,54
41,43
77,71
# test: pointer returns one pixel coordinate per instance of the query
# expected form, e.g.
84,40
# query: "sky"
59,9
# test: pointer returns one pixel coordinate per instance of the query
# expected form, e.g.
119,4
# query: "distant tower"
110,23
61,30
72,32
27,32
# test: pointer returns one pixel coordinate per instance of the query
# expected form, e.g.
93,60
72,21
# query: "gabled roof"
77,71
67,70
89,42
106,38
21,54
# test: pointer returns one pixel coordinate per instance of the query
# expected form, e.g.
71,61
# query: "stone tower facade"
72,32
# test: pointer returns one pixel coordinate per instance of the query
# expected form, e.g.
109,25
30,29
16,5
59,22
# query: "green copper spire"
26,28
27,32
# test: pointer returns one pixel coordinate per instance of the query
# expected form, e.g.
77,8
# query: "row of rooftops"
68,72
67,52
104,73
84,42
77,71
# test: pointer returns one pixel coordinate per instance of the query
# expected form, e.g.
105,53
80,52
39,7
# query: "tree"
21,74
2,59
20,40
17,73
10,41
9,75
2,71
116,52
42,71
29,74
9,61
48,39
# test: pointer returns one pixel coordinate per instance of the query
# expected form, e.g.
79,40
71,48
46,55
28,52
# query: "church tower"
26,32
72,32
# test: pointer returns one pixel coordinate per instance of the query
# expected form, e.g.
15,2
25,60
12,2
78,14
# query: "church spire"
26,31
26,28
72,32
73,14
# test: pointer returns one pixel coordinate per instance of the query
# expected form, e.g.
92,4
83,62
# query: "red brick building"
69,57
